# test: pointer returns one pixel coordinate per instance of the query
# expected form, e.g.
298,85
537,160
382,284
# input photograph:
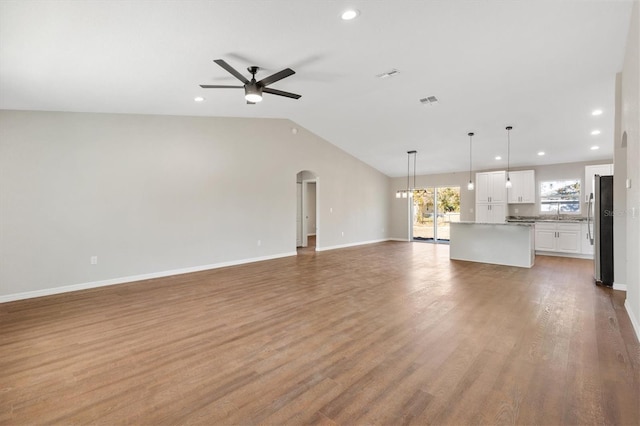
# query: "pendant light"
470,184
508,185
408,193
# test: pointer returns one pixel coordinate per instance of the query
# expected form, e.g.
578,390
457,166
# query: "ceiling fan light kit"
252,93
253,90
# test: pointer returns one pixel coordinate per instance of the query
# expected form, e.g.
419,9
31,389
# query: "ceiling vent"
388,74
429,100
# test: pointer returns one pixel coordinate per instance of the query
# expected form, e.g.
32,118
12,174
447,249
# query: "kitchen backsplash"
531,210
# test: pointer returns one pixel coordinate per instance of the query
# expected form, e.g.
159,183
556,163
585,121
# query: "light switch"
628,183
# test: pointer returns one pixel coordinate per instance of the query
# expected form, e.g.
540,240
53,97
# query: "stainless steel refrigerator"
600,224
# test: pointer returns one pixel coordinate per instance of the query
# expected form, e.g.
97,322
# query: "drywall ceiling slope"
541,66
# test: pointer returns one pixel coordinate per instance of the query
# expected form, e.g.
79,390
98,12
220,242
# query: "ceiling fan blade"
275,77
219,86
281,93
231,70
250,103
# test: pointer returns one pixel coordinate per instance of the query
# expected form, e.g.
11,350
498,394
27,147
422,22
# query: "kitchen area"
555,217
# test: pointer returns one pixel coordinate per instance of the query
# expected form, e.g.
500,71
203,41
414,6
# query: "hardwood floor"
390,333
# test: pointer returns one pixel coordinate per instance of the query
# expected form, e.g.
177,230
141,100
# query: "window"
560,196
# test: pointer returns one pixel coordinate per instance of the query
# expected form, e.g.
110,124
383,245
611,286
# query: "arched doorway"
306,210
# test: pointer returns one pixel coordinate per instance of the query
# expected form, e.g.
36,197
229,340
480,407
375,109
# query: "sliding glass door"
433,210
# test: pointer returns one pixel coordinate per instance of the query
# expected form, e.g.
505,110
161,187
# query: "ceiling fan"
253,89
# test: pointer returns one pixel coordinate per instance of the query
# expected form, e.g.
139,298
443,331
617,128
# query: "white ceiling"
540,66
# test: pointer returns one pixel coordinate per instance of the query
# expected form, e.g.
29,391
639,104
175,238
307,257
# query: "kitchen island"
510,244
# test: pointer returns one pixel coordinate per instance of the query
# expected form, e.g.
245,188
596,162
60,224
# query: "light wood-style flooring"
389,334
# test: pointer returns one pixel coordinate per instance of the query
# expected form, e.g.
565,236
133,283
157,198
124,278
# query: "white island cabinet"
509,244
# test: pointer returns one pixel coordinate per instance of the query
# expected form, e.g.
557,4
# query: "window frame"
576,200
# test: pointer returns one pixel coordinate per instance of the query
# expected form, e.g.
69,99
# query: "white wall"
630,124
619,194
553,172
399,228
150,194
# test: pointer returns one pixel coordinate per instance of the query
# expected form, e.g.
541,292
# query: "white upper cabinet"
491,187
589,173
523,187
491,197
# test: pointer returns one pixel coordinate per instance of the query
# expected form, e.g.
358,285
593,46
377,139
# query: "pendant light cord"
415,156
408,171
470,147
508,149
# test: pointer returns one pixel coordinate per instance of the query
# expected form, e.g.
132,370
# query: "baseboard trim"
618,286
404,240
133,278
634,320
559,254
361,243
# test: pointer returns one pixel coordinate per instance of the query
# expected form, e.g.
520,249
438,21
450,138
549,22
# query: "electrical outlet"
343,233
259,243
94,260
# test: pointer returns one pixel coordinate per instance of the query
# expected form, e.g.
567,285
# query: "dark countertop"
551,218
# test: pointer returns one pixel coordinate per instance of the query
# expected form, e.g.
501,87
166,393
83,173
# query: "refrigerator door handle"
590,236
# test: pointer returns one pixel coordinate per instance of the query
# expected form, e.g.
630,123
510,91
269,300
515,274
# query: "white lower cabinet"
491,213
558,237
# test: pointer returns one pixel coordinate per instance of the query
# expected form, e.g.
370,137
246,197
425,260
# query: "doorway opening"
306,211
433,210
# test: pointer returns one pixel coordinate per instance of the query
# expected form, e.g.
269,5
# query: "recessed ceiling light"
596,112
593,148
595,132
350,14
498,157
198,99
541,153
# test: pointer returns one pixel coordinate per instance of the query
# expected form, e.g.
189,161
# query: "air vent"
388,74
429,100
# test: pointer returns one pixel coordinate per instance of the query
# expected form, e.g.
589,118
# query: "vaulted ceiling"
540,66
